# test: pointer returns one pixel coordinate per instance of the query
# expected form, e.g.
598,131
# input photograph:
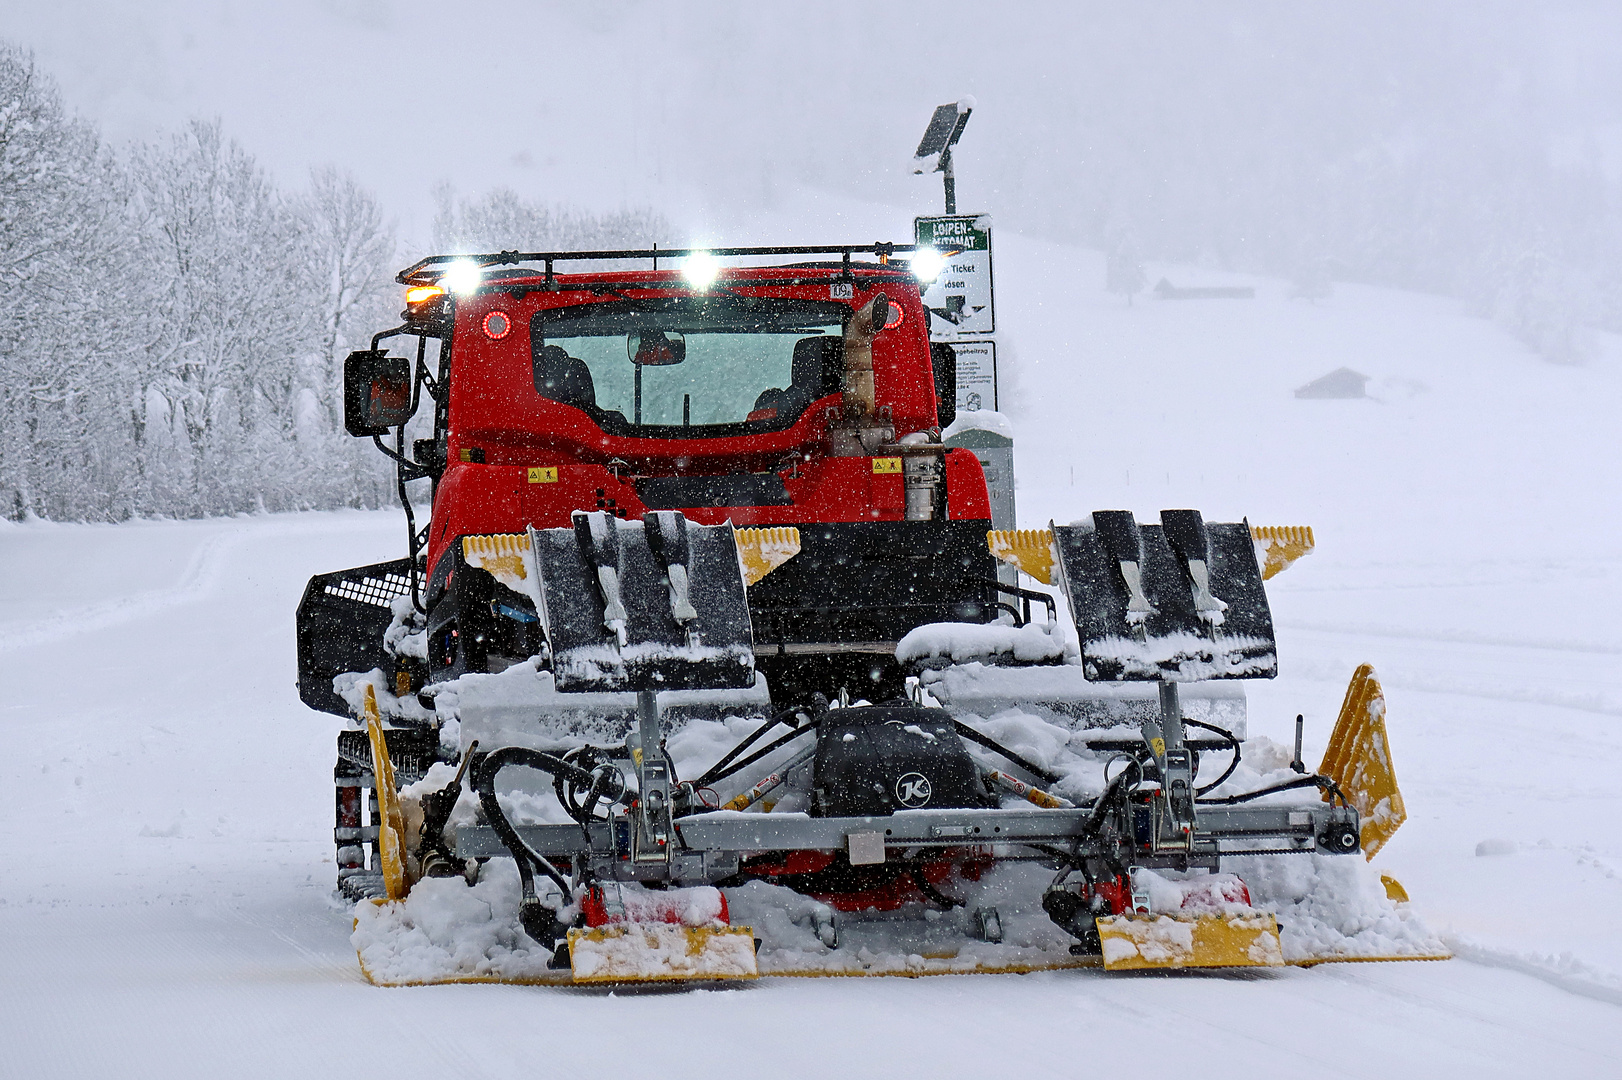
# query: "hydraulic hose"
1108,797
525,856
713,777
967,732
1111,795
714,772
1233,743
1323,783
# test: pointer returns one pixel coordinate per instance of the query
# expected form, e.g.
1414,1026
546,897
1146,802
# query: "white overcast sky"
713,111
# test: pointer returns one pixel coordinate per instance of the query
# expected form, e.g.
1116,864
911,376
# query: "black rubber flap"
658,653
1172,642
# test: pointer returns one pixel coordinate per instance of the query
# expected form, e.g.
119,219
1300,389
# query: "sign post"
962,303
960,298
963,316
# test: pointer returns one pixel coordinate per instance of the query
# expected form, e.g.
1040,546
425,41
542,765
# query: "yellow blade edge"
391,831
1359,761
501,555
1277,546
1028,550
760,551
1132,942
661,952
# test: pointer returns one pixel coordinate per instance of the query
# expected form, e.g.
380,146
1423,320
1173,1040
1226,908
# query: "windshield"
726,365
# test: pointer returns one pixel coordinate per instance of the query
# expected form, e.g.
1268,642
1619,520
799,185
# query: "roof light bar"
439,269
463,277
700,270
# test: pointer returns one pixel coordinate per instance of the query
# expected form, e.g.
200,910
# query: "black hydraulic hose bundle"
967,732
580,800
715,772
1323,783
527,858
1233,744
1113,794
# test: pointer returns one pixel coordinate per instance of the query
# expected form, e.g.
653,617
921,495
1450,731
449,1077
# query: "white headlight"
700,269
463,277
927,264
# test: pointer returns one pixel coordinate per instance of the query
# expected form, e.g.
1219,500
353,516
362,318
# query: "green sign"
960,298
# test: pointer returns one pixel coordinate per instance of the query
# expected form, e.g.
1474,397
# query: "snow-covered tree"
502,220
67,322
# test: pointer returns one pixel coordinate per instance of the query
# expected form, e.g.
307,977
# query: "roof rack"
428,271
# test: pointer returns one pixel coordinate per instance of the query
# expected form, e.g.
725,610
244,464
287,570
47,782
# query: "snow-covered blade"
391,828
1325,909
1240,939
1359,760
661,952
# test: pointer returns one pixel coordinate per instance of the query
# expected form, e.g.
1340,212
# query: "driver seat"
563,378
815,372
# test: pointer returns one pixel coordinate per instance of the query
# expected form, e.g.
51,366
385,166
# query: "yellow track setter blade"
1183,941
391,830
1029,550
760,551
502,555
662,952
1359,760
1277,546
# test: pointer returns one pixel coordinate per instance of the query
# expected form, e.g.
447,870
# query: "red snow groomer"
700,560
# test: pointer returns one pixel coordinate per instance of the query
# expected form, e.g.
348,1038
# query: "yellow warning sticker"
886,465
1158,746
545,474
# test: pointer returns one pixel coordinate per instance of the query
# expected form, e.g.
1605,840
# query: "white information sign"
960,299
976,375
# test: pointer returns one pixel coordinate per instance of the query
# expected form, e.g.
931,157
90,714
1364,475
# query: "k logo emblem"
913,790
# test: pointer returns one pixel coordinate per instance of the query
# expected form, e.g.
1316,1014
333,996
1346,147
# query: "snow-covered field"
166,907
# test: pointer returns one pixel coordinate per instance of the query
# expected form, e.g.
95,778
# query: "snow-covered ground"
166,907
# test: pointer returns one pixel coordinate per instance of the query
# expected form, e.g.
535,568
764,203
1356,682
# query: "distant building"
1340,383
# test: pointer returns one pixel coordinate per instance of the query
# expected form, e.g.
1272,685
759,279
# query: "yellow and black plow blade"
661,952
1246,939
1358,760
391,838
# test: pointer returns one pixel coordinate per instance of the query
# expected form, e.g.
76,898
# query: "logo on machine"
913,790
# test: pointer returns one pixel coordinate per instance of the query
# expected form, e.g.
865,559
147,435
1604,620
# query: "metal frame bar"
1298,825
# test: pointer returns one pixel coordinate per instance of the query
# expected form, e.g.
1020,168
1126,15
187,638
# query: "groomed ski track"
167,910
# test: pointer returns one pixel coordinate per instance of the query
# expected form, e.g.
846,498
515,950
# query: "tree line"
173,324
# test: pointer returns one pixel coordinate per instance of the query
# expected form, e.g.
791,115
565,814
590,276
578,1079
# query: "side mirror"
655,348
377,392
943,358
